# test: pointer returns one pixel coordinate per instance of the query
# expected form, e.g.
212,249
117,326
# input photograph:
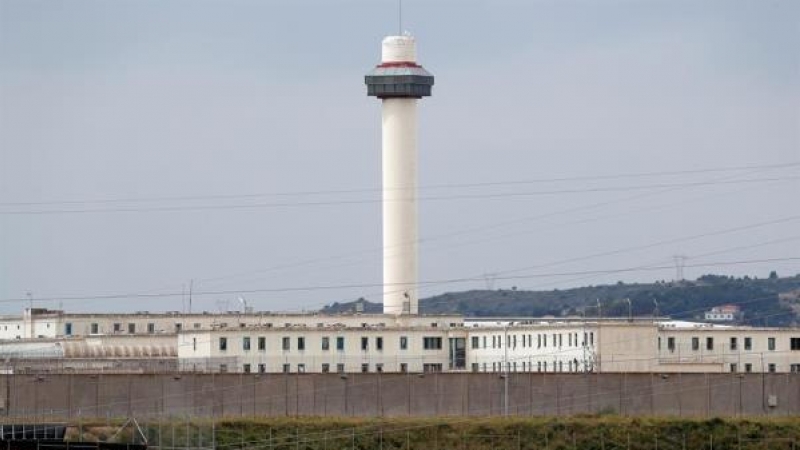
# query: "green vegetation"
771,301
529,433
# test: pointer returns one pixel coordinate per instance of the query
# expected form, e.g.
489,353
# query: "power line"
503,195
426,187
371,285
427,240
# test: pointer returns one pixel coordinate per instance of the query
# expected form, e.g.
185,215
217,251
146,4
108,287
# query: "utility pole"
505,370
630,310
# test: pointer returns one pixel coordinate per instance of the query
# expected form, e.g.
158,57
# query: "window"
246,343
794,368
709,343
286,343
432,343
403,342
734,344
475,367
404,367
301,368
223,368
794,343
365,367
178,327
748,367
771,367
262,343
262,368
733,367
151,328
117,327
695,343
538,341
659,342
671,344
379,343
301,343
771,343
326,367
68,329
246,368
326,343
223,344
287,368
340,343
432,367
476,342
197,325
131,328
364,343
748,343
591,338
340,368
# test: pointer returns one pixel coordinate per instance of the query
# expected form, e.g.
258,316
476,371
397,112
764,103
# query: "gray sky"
174,103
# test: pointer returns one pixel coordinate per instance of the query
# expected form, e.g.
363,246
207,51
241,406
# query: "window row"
733,343
327,368
428,343
540,366
527,340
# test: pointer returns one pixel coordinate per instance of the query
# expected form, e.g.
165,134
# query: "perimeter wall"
69,396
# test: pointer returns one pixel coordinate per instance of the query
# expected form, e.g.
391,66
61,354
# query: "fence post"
188,432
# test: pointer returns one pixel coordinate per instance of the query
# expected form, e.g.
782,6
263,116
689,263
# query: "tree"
773,275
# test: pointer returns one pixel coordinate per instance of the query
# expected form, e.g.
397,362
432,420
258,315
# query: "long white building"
270,342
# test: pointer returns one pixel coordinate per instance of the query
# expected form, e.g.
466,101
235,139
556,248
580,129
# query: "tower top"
398,75
398,49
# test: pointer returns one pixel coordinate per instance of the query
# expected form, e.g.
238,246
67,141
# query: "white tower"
399,82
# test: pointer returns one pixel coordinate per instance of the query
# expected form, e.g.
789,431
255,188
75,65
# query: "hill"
772,301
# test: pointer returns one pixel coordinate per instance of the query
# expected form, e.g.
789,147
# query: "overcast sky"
144,144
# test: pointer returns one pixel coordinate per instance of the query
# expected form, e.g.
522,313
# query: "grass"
604,432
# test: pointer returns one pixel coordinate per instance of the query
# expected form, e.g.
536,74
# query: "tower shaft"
399,167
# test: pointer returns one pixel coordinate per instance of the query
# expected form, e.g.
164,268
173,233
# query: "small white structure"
724,313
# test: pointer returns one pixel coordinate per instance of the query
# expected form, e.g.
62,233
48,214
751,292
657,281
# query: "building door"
458,353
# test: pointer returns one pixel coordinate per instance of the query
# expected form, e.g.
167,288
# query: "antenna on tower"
399,17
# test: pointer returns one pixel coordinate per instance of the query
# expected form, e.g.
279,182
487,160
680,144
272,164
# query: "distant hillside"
772,301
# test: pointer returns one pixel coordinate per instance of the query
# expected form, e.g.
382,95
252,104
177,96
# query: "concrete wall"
67,397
